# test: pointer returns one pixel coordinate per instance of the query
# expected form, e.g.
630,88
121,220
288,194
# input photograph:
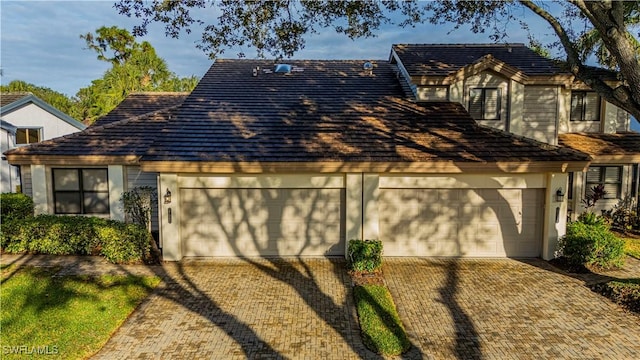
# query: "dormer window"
484,103
585,106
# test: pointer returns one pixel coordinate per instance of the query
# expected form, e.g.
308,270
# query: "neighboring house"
26,119
297,159
509,87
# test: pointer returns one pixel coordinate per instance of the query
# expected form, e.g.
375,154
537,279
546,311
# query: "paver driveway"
506,309
297,309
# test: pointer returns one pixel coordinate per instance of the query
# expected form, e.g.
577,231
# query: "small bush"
623,292
124,243
76,235
623,216
15,207
591,244
365,255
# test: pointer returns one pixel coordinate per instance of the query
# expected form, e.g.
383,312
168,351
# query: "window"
609,176
27,135
484,104
585,106
81,191
570,187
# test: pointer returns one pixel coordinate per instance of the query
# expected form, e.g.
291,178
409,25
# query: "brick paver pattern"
232,309
303,309
506,309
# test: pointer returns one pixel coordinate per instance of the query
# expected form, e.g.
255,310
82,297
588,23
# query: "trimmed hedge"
15,207
590,242
365,255
76,235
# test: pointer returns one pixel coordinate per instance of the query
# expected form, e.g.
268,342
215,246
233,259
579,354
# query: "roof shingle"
137,104
445,59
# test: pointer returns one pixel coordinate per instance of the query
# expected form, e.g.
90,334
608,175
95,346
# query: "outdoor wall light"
559,195
167,197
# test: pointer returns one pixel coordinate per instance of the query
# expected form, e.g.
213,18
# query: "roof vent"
368,68
283,69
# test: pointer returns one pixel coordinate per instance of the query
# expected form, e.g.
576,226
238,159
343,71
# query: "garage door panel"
261,222
481,222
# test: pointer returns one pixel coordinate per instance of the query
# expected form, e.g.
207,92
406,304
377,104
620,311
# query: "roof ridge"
176,93
133,118
462,44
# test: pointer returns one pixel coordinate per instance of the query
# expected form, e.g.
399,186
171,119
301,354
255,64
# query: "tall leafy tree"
278,27
135,67
56,99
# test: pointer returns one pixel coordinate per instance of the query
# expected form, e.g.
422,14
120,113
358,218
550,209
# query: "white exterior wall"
33,116
540,113
10,178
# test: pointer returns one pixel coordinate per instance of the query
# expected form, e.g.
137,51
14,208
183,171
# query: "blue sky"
40,43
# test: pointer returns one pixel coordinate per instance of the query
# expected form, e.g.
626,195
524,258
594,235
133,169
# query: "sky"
40,43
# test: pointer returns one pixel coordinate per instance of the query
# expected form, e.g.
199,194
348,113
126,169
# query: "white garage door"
461,222
261,222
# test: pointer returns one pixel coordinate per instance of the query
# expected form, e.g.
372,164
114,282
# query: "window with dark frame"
81,191
28,136
484,103
609,176
585,106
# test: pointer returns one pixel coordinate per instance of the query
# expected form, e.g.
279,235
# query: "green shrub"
623,292
365,255
15,207
76,235
591,244
124,243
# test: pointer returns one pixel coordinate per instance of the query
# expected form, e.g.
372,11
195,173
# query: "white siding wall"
34,116
137,178
540,113
433,93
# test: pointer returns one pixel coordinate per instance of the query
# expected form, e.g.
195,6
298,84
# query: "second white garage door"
261,222
461,222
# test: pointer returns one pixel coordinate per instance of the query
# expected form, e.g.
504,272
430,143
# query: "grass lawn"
67,317
382,330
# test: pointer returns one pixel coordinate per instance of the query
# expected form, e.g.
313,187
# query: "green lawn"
632,247
382,330
67,317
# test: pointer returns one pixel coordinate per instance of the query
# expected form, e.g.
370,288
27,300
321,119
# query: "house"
511,88
296,158
26,119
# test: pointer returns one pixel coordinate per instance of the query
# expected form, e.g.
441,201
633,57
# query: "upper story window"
484,103
81,191
28,135
585,106
609,176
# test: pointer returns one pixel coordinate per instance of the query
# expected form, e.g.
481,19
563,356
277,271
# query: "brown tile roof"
624,146
329,111
126,138
445,59
137,104
7,98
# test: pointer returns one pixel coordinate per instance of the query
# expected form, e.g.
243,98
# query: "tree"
135,67
56,99
278,27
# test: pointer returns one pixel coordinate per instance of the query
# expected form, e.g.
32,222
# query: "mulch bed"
359,278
